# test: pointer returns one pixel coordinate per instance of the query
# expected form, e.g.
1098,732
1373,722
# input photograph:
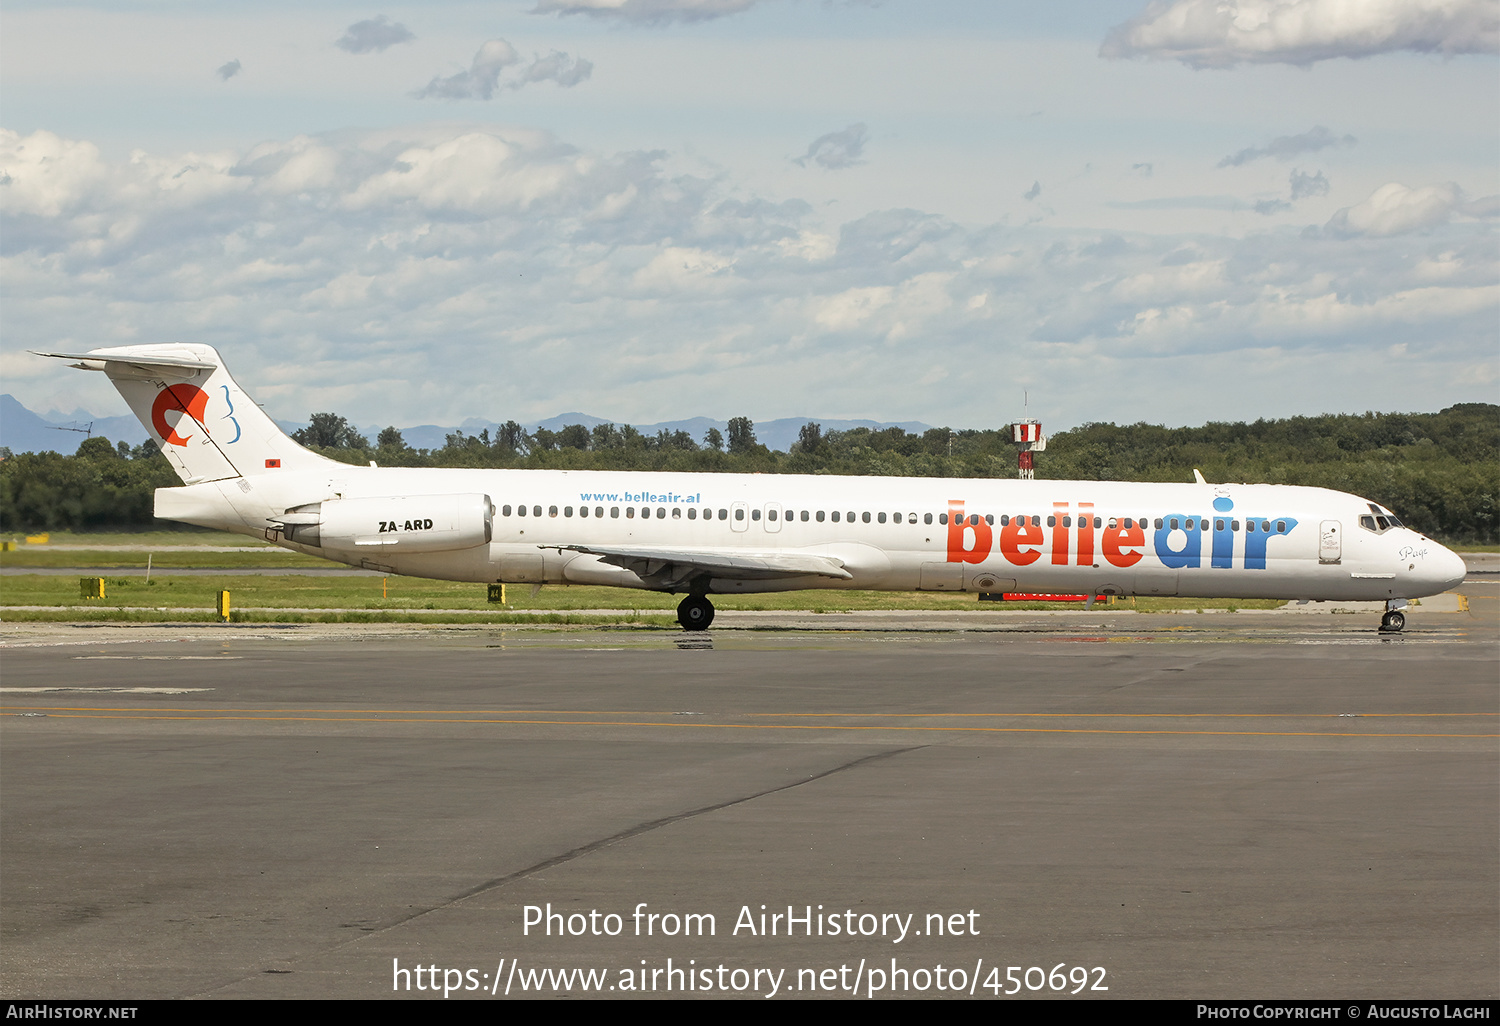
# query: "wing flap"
675,567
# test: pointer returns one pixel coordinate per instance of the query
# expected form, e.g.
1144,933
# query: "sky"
935,210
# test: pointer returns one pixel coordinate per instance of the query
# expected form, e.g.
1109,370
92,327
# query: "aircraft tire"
1393,622
695,613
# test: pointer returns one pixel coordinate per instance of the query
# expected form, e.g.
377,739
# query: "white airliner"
715,534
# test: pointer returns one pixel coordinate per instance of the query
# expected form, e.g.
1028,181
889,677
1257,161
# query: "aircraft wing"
672,567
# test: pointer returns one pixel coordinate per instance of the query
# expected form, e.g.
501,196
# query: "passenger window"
1052,521
820,516
692,513
1249,526
1265,525
926,518
1174,523
1234,525
676,512
583,511
942,518
552,511
567,511
614,512
629,512
598,511
723,514
505,511
863,516
1158,523
1281,527
880,517
739,514
1096,523
1218,525
1005,520
520,511
896,517
661,512
536,511
850,516
770,514
989,518
804,516
835,516
755,514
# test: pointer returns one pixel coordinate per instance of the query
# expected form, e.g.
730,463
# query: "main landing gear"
695,613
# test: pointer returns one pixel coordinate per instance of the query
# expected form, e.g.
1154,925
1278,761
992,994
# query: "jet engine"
392,523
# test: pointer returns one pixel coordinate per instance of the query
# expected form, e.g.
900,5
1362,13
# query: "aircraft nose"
1449,569
1440,570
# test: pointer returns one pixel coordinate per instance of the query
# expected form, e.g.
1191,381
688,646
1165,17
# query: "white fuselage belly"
1237,541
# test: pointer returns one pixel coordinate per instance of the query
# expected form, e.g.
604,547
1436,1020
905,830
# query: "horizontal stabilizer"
134,356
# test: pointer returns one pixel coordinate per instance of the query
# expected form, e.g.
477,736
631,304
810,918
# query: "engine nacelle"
391,523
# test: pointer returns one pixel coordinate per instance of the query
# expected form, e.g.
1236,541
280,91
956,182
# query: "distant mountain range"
24,431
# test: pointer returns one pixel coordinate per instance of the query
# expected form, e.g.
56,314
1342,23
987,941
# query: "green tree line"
1439,471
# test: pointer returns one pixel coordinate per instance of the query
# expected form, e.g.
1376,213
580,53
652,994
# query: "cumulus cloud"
837,150
228,71
374,34
483,79
478,253
1223,33
1285,147
1396,209
646,12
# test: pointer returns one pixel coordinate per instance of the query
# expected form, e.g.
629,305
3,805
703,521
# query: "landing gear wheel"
1392,622
695,613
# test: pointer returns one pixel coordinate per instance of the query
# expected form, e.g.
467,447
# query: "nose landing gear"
1394,621
695,613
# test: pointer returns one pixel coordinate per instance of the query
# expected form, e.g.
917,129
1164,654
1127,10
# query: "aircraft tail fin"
192,407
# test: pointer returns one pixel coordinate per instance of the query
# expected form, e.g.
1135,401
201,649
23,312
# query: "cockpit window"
1378,523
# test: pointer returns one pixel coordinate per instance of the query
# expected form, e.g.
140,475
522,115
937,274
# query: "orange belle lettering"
958,533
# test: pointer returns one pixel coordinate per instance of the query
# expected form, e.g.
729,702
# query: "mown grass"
266,594
184,535
104,615
268,558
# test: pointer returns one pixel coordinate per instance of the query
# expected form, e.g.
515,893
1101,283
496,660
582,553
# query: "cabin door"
1330,542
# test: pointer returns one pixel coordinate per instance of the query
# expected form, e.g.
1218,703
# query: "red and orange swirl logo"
188,399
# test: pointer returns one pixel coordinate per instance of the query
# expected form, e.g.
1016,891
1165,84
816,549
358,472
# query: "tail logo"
187,399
